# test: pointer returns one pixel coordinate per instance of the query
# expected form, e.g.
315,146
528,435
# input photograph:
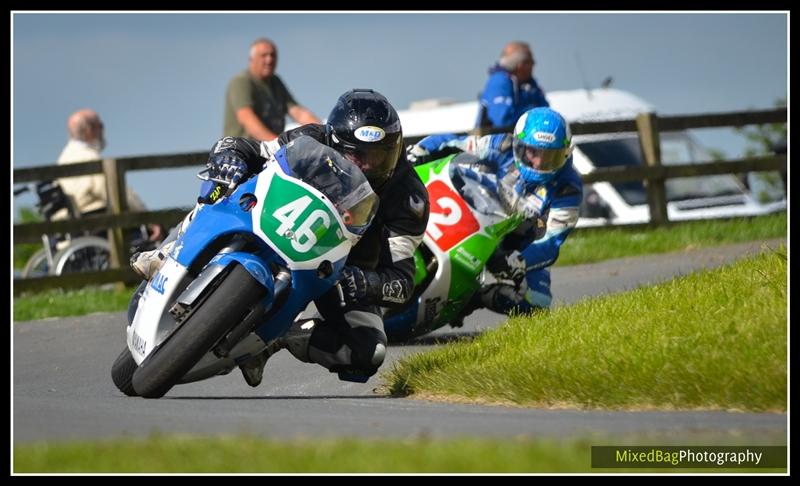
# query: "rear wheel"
224,308
122,372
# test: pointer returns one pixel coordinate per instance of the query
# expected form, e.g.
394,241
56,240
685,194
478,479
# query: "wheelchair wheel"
36,266
84,254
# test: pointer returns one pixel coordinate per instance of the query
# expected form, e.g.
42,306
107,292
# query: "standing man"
511,89
257,101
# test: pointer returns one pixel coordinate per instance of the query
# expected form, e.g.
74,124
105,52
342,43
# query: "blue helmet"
542,145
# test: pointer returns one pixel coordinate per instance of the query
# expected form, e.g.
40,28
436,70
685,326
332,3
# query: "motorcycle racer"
531,172
350,339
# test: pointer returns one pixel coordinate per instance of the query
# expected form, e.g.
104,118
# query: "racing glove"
415,153
420,152
357,285
227,166
507,266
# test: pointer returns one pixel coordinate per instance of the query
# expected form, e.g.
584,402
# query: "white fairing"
153,322
434,298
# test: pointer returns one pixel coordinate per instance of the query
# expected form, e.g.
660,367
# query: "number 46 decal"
304,237
451,220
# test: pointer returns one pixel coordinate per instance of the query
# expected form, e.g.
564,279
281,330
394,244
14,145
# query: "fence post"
115,191
647,124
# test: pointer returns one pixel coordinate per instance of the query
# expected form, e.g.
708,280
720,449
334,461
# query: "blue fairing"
226,217
306,286
252,263
212,221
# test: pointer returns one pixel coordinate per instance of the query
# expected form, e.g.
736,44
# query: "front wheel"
227,305
122,372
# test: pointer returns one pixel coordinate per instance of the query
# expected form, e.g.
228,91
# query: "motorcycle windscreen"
337,178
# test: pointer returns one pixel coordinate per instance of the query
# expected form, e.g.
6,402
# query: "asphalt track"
62,388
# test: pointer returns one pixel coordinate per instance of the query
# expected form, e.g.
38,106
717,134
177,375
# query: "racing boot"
295,340
253,368
507,299
147,263
474,304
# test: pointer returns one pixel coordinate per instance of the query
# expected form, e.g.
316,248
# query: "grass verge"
710,340
247,454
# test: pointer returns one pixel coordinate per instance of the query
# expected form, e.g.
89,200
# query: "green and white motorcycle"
466,225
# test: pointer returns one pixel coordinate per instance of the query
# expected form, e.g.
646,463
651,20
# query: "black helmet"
365,128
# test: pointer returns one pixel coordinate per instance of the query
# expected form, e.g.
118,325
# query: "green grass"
710,340
246,454
587,245
249,454
64,303
22,252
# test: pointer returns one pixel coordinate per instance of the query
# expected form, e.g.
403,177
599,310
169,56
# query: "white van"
620,202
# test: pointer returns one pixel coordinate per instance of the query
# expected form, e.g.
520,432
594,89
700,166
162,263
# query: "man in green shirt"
257,101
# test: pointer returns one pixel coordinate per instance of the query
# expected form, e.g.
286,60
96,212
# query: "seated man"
87,193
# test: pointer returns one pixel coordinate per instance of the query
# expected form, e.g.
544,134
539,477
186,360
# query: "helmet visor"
377,163
540,159
337,178
358,208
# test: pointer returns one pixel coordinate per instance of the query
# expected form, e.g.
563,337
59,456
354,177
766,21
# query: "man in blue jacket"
511,89
532,174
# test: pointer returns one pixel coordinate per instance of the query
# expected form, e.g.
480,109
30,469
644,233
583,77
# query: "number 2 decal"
451,216
450,219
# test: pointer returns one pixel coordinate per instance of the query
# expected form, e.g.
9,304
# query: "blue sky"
158,80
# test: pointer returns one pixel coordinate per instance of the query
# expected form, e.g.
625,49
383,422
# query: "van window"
676,149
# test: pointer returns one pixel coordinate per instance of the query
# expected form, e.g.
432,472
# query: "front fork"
134,302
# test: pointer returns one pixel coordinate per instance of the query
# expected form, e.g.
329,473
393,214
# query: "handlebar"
212,179
22,189
229,186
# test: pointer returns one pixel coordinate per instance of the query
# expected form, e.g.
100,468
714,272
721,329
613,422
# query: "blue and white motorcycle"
248,263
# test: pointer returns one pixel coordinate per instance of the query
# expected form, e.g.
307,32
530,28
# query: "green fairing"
307,235
437,166
467,259
505,227
421,272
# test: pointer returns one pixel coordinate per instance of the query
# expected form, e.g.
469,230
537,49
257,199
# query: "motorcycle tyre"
223,309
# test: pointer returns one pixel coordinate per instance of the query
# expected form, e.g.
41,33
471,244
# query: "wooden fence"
648,125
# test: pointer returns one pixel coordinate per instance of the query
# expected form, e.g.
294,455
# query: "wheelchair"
62,254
